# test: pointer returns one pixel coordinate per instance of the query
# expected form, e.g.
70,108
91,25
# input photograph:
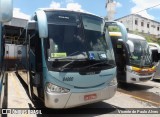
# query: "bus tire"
30,86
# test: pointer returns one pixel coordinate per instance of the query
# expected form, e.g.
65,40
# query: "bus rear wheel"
30,86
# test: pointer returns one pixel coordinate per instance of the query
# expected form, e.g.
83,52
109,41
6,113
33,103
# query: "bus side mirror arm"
131,46
42,23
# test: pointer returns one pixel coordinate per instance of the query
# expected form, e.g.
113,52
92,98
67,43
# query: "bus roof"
154,46
133,36
71,10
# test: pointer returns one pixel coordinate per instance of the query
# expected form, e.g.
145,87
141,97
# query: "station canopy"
13,29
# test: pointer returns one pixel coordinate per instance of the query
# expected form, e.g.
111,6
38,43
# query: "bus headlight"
51,88
113,82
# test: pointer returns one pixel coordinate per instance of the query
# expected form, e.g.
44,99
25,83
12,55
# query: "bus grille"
145,79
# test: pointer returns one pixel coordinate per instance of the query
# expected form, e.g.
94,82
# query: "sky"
26,8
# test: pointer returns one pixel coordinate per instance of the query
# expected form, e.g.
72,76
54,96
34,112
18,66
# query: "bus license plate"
90,97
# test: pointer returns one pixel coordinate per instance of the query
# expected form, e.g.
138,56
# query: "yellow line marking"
13,83
16,85
146,100
143,99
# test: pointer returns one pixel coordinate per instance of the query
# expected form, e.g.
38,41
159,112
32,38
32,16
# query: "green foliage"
113,29
148,37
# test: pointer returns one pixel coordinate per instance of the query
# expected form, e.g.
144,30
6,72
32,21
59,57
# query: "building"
13,41
135,22
13,29
17,22
111,9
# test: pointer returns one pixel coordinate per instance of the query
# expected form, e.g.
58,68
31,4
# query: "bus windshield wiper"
64,66
99,63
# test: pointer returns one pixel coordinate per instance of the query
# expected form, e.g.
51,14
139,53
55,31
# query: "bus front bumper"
135,78
68,100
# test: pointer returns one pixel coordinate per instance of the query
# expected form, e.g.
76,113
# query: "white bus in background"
155,48
134,65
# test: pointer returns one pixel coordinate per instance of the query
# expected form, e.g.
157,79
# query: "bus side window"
155,55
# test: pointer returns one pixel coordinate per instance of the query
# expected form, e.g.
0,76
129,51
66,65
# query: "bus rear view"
71,61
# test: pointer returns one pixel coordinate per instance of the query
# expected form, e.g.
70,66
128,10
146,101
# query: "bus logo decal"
68,79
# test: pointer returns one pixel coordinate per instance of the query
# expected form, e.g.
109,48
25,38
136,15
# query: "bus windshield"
78,37
141,55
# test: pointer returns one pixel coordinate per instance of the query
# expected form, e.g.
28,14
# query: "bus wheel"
30,86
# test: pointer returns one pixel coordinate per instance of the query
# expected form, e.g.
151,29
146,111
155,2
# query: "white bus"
136,65
155,48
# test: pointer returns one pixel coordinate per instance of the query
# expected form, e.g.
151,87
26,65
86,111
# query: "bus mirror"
42,23
131,45
6,10
119,26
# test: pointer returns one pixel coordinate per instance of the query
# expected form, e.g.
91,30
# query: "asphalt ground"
129,97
